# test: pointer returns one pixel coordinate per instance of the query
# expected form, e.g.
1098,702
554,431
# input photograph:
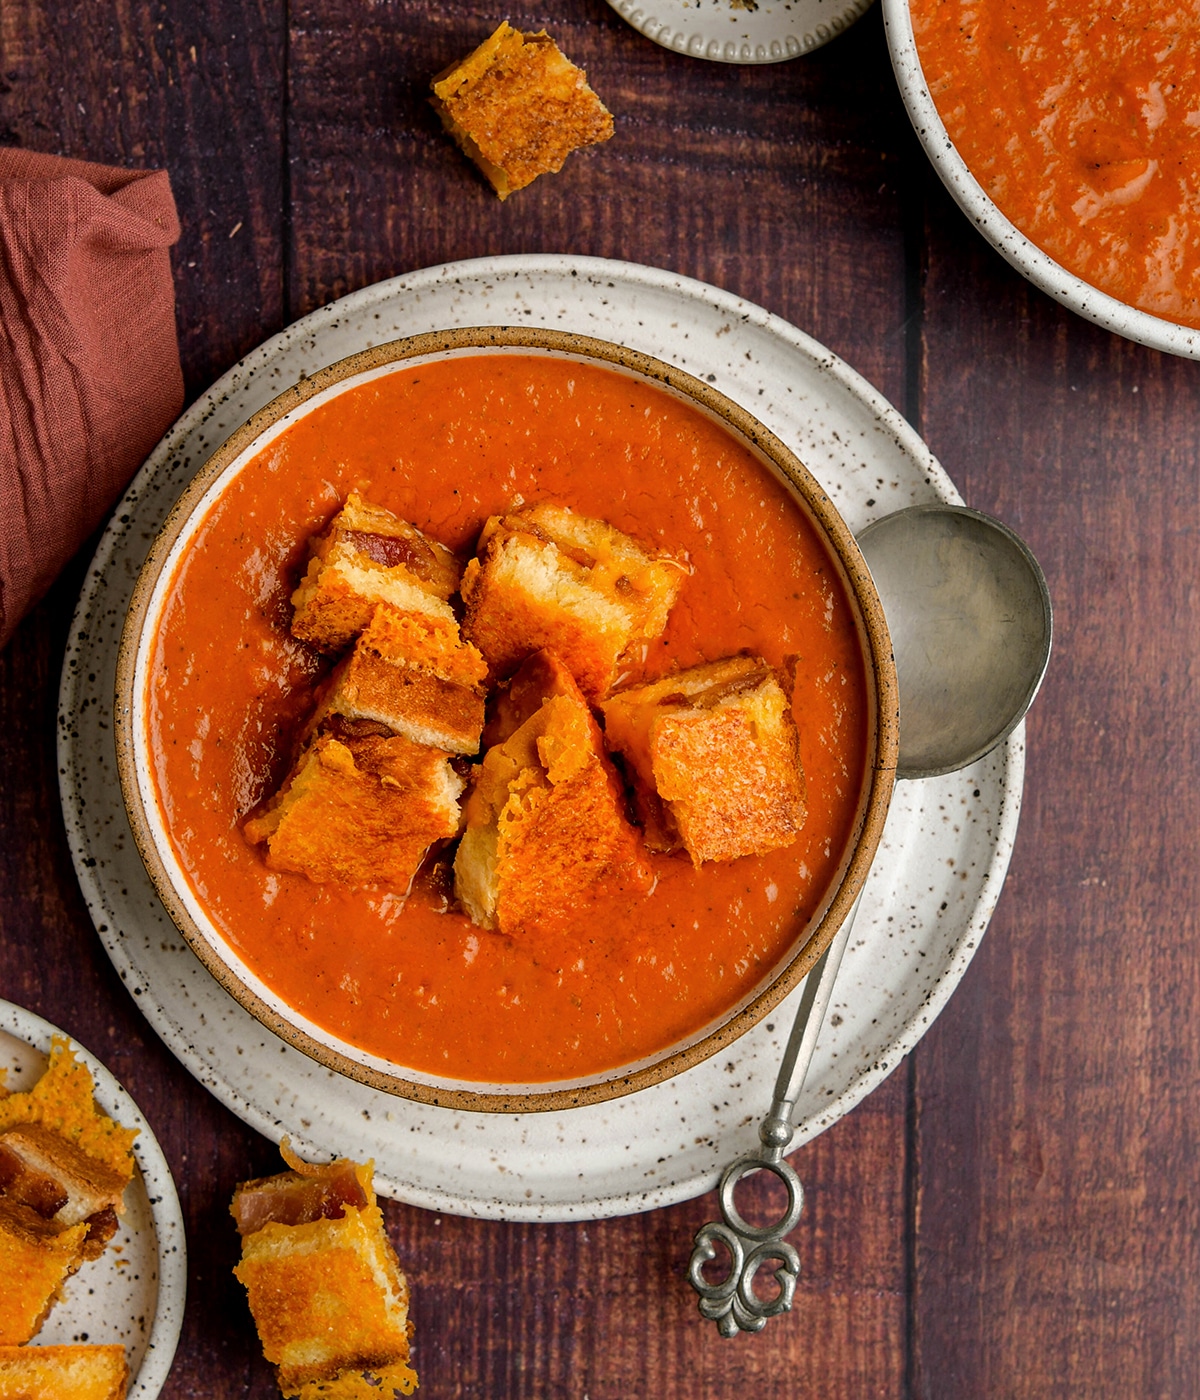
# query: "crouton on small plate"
91,1372
64,1167
715,758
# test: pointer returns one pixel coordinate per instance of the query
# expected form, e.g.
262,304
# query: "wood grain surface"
1014,1213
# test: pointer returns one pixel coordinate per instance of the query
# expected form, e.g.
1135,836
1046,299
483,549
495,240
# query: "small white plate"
926,904
741,31
134,1293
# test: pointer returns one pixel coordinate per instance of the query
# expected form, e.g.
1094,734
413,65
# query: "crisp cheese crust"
360,810
416,676
63,1373
63,1101
518,108
546,828
716,759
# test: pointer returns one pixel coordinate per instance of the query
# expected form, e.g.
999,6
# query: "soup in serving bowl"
399,982
1069,135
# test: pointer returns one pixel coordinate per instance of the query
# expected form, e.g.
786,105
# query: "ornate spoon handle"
732,1303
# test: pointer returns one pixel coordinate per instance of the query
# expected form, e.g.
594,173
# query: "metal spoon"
970,618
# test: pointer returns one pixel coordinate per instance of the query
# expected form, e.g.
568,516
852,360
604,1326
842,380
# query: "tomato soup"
1082,123
405,975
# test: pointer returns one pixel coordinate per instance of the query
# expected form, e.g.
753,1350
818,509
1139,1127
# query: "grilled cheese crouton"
546,577
324,1285
63,1373
546,830
363,810
36,1259
715,759
64,1166
416,676
540,676
518,107
41,1168
368,556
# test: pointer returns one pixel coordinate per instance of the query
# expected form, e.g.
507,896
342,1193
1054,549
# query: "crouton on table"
518,108
715,758
324,1285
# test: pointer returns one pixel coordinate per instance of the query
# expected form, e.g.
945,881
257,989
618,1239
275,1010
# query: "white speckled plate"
927,903
1008,240
741,31
134,1293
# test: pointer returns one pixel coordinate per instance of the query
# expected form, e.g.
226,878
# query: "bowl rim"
1006,238
880,756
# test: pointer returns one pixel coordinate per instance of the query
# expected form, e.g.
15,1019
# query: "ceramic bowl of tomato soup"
1070,136
397,988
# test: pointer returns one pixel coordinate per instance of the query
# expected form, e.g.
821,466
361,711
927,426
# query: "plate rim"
170,1237
749,49
488,271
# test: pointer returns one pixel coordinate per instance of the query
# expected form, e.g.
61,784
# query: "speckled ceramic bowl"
150,824
1008,240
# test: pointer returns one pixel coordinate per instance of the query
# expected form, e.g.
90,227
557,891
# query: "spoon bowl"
970,618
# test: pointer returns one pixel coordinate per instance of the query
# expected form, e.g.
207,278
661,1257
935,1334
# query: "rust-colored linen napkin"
89,360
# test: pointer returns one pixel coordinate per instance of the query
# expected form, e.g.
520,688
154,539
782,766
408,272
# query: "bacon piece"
295,1199
87,1187
24,1185
101,1228
390,550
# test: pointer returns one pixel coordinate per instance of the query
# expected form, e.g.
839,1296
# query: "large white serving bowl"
1008,240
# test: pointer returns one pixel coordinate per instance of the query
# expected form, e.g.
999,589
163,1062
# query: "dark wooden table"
1015,1212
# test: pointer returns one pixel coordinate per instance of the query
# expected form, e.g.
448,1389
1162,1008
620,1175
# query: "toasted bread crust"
364,811
545,577
546,830
63,1373
518,108
330,1301
716,757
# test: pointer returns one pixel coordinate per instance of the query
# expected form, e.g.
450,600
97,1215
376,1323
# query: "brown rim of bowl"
882,717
